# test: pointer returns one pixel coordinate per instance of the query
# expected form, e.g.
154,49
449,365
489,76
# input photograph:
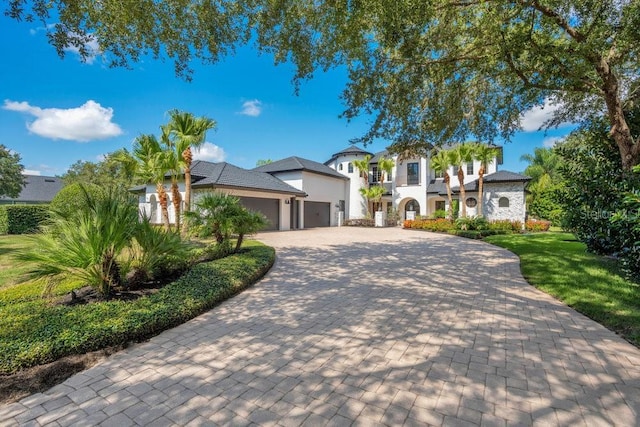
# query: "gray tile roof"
299,164
38,189
379,155
436,186
207,174
496,177
349,150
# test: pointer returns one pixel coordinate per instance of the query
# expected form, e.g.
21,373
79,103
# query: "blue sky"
54,112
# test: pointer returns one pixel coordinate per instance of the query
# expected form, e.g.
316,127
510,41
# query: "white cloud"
533,119
88,122
251,108
210,152
30,172
93,50
551,141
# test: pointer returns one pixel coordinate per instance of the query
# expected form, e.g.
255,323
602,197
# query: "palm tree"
459,156
214,213
245,223
385,165
485,154
440,163
372,194
152,167
185,131
363,167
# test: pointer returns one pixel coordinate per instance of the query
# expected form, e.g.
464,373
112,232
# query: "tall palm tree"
185,132
363,167
440,163
485,154
372,194
152,167
385,165
460,156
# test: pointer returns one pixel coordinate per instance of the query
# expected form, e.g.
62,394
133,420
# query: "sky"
54,111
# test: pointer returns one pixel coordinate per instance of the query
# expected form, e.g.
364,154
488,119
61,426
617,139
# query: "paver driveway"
380,326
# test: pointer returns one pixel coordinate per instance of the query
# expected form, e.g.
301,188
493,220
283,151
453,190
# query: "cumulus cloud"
533,119
30,172
551,141
251,108
210,152
86,123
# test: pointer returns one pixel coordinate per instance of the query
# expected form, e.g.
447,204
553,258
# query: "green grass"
559,265
11,270
33,331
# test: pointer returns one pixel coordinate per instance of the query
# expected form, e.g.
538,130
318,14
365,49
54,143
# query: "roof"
436,186
223,174
38,189
493,178
379,155
352,149
299,164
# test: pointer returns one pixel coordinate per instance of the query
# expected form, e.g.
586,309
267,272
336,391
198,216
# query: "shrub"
439,214
35,332
472,223
360,222
440,225
536,226
71,198
505,226
22,219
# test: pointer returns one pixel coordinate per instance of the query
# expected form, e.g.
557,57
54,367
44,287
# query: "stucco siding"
513,192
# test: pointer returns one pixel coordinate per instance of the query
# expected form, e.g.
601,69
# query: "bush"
36,332
71,198
360,222
537,226
439,225
439,214
472,223
22,219
476,234
506,226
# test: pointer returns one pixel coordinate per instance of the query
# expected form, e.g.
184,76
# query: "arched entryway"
411,209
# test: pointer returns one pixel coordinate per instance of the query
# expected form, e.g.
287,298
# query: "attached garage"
317,214
268,207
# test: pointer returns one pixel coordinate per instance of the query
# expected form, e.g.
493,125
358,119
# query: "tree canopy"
428,71
11,178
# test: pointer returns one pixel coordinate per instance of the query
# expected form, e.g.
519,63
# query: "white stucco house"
295,193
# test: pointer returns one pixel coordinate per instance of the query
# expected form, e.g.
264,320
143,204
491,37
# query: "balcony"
403,181
387,186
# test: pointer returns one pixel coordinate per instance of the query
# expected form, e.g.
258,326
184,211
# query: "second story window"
340,167
413,173
376,174
470,168
350,167
439,174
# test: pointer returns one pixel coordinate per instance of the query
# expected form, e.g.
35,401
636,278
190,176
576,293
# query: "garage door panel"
270,208
317,214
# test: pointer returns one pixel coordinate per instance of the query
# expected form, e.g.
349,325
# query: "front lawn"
559,265
34,331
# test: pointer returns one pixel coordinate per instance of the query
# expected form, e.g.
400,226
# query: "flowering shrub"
440,224
537,226
506,226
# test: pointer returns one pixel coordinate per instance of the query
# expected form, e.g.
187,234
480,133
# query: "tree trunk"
480,190
177,201
463,196
447,183
187,156
239,242
620,132
164,205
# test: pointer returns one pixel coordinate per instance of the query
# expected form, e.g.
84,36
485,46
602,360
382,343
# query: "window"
376,174
470,168
340,167
412,205
350,167
471,202
413,174
439,174
440,206
503,202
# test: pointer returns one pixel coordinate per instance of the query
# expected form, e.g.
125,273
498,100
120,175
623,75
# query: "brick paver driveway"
374,327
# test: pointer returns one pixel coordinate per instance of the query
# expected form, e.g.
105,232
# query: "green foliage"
472,223
115,170
11,179
559,265
439,225
213,215
37,332
86,245
71,199
22,219
545,176
246,223
537,226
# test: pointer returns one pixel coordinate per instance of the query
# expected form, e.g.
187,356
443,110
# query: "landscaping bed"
35,331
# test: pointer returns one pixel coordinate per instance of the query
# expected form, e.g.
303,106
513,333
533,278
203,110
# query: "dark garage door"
317,214
269,208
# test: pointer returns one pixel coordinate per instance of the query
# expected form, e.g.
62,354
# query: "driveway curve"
365,327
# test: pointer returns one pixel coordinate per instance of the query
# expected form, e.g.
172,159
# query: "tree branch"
546,11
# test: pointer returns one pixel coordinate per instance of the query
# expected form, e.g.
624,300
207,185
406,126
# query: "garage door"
268,207
317,214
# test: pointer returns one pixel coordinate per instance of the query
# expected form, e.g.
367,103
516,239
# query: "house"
37,190
296,193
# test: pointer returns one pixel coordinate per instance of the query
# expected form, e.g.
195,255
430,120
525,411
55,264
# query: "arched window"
350,167
471,202
503,202
340,167
412,205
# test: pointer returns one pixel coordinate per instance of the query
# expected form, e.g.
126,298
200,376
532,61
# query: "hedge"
22,219
36,332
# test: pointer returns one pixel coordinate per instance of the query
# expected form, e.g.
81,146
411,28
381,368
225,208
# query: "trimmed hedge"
22,219
36,332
